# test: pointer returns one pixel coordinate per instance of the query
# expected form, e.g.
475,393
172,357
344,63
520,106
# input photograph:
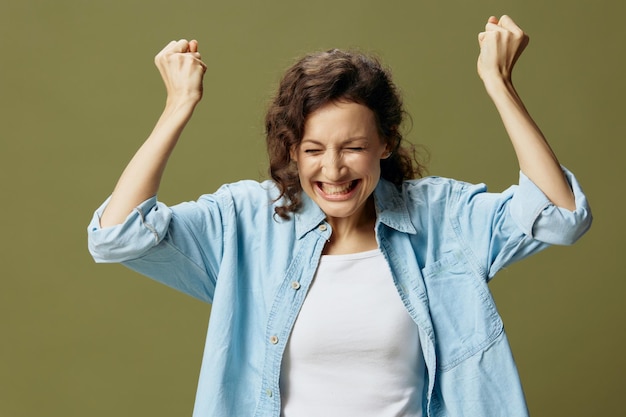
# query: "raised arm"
501,44
182,70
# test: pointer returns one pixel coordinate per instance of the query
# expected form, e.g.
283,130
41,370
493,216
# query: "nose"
333,165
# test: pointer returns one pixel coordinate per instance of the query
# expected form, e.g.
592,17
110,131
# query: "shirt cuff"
540,219
142,229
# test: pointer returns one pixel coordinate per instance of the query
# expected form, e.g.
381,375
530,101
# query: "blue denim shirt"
443,240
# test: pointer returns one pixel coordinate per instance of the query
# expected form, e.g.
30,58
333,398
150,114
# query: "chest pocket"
463,313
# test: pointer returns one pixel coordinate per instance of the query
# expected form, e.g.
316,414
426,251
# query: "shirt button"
323,227
295,285
274,340
269,392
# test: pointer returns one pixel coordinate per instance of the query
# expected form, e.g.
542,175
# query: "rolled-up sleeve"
143,229
159,241
540,219
498,229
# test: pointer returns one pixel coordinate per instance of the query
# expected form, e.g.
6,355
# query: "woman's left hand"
501,44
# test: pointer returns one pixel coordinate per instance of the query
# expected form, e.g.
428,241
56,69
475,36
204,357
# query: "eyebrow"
343,142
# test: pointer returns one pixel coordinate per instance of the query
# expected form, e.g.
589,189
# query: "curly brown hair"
316,80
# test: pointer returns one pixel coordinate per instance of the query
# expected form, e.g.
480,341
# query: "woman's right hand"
182,70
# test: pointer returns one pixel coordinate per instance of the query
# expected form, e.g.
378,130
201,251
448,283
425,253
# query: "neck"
354,234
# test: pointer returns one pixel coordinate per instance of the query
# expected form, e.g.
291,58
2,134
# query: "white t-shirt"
354,349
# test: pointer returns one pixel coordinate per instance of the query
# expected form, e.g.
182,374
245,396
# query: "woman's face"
339,159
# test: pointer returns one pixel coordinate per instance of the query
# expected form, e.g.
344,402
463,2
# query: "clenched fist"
182,70
501,44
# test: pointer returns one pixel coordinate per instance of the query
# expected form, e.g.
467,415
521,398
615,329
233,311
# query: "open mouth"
337,189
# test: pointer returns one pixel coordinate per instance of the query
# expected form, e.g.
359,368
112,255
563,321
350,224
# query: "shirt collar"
390,208
308,217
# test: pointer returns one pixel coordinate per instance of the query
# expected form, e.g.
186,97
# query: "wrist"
497,86
175,115
180,107
182,101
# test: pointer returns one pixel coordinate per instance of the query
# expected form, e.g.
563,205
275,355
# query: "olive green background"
79,93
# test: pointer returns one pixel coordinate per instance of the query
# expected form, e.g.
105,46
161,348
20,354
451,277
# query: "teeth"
336,189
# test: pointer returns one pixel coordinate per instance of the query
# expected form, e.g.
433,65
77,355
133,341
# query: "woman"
343,286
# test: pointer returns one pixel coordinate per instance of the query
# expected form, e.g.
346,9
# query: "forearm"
182,70
501,44
536,159
142,176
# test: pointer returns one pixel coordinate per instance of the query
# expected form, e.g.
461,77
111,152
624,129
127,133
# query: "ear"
391,144
293,153
387,153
